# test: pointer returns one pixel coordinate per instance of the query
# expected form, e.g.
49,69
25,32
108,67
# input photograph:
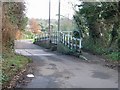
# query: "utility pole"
59,22
49,32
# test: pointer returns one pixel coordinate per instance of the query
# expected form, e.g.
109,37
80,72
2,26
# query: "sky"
40,8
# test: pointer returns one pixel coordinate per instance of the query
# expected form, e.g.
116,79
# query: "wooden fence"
64,37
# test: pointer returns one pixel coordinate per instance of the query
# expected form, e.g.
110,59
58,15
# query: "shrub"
64,49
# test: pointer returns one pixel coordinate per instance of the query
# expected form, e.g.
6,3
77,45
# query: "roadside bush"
94,48
110,53
113,56
44,44
64,49
28,35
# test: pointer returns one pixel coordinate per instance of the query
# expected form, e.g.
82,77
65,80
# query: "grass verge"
11,66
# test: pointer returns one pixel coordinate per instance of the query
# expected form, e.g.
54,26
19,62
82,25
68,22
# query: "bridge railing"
64,37
71,42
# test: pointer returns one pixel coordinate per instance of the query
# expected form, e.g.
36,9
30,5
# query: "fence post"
38,36
71,42
76,43
65,40
68,40
59,37
41,36
51,37
80,45
44,36
54,37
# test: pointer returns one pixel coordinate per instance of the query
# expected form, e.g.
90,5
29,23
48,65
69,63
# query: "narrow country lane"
53,70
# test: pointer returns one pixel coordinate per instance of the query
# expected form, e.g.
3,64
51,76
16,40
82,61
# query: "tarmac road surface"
53,70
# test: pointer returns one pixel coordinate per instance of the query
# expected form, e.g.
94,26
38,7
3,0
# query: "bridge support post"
80,46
